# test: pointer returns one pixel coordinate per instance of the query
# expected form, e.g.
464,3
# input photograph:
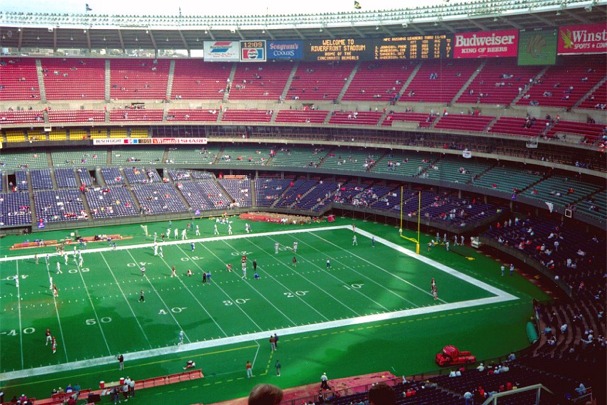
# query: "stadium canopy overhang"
95,31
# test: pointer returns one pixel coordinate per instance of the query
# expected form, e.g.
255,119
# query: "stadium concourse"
342,193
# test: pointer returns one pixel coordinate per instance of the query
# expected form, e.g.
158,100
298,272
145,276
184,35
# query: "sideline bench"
61,398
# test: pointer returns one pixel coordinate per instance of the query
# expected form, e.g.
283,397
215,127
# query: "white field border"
499,296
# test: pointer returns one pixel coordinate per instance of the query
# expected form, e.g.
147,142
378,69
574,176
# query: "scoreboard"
348,49
390,48
415,47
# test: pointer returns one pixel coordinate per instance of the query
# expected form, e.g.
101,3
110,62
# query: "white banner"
151,141
222,51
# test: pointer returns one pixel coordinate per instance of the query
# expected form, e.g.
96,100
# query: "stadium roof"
101,31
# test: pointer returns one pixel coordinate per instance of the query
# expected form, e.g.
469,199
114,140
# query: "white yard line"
135,317
19,312
97,319
63,344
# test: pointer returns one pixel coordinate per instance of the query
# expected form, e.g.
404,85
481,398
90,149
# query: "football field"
99,311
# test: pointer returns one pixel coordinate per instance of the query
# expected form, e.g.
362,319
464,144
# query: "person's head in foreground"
265,394
381,394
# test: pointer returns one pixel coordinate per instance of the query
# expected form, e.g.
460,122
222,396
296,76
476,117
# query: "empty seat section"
57,116
41,179
269,190
141,79
66,178
239,190
192,115
204,155
566,83
355,117
438,81
130,114
423,120
18,79
15,209
474,123
597,99
305,115
70,158
378,81
158,198
21,117
499,82
247,115
110,202
135,156
260,81
587,133
298,156
518,126
319,81
195,79
74,78
59,205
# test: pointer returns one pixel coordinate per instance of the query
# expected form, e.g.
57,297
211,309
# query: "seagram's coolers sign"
589,38
486,44
289,50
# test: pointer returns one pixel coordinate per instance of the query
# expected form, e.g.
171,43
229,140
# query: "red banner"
589,38
486,44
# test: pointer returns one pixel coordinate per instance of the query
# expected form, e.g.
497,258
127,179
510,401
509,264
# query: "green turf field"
370,293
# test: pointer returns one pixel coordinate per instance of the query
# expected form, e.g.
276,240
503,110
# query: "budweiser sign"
486,44
589,38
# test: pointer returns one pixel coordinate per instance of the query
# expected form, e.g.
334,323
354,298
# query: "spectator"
468,397
381,394
581,389
265,394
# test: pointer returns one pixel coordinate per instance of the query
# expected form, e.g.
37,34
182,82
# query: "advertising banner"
253,51
577,39
285,50
222,51
150,141
486,44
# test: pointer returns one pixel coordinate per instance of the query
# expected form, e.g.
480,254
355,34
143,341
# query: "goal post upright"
419,206
400,230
